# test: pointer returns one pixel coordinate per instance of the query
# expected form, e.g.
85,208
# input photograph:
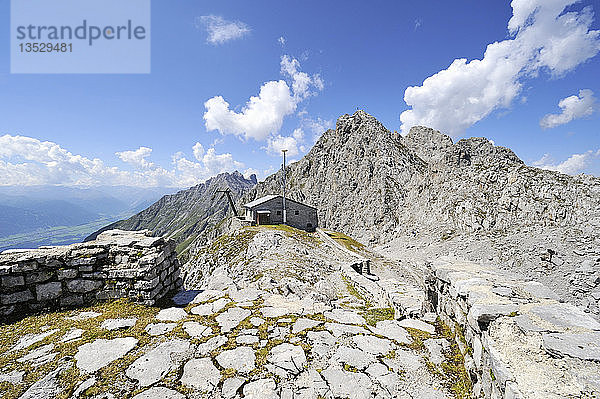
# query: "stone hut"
269,210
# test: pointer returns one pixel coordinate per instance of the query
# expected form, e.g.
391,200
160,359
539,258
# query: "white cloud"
29,161
543,39
263,115
281,40
136,158
220,30
277,143
575,164
573,107
418,23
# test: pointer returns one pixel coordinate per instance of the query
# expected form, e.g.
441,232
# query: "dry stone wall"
118,264
518,340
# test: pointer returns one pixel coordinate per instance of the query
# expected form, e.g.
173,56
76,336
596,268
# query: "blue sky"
308,63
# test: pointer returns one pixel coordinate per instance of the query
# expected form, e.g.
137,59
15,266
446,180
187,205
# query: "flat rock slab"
118,324
230,387
565,315
196,330
207,309
257,321
231,318
200,374
14,377
303,324
393,330
287,359
353,357
208,295
39,356
417,325
27,340
246,294
345,316
272,311
72,335
584,346
155,329
371,344
159,393
46,388
261,389
241,359
92,356
155,364
436,348
348,385
344,329
171,314
210,345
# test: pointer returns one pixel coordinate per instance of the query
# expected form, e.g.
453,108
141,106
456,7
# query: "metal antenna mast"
226,193
284,209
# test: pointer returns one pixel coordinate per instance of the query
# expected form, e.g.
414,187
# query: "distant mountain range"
31,216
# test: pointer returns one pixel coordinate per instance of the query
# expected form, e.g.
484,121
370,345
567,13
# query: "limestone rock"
287,359
231,318
155,364
241,359
200,374
159,393
171,314
118,324
93,356
261,389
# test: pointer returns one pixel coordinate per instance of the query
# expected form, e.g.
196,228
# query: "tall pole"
284,209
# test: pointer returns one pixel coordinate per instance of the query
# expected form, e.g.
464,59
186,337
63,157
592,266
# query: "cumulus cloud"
543,38
220,30
575,164
281,40
277,143
572,107
29,161
263,115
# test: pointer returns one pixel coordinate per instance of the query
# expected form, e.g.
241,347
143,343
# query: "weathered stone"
12,281
353,357
46,388
344,329
230,387
207,295
84,386
92,356
256,321
302,324
196,330
83,286
72,335
418,325
117,324
155,364
241,359
287,359
210,345
48,291
39,356
38,277
347,385
171,314
246,339
71,300
16,297
200,374
480,315
371,344
66,273
159,393
231,318
207,309
27,340
14,377
155,329
271,311
436,347
584,346
261,389
246,294
345,316
393,330
565,315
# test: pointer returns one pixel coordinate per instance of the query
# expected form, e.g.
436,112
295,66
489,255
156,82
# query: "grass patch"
346,241
374,315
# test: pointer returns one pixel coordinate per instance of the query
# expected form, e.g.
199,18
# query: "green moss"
374,315
346,241
454,366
